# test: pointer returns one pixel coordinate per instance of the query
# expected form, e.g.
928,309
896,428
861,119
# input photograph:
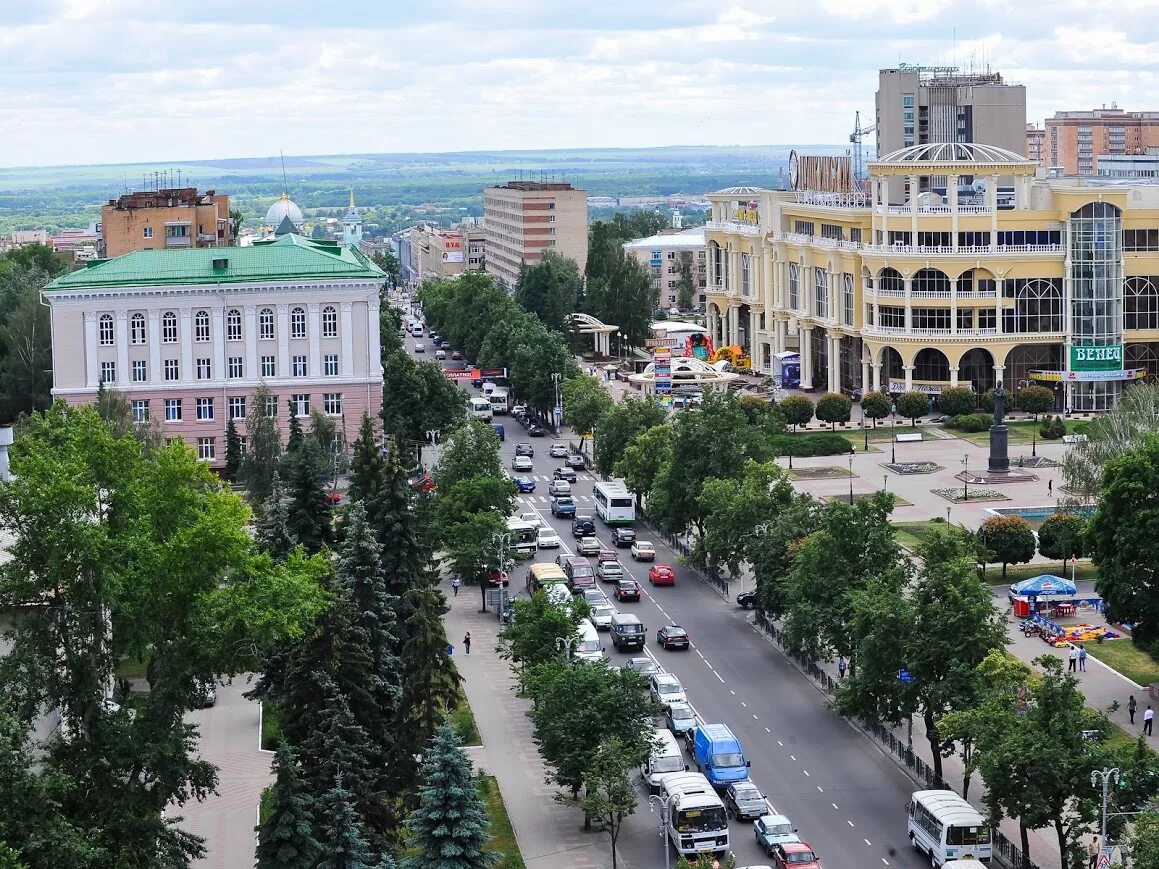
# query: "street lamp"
555,378
966,478
864,430
1033,441
664,801
892,441
502,543
1105,777
947,515
851,479
622,337
565,645
885,482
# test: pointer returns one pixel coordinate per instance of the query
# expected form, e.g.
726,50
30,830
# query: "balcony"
965,250
177,241
734,226
816,241
902,332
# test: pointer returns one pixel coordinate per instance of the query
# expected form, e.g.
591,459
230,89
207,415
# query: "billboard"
1107,357
825,173
452,256
662,367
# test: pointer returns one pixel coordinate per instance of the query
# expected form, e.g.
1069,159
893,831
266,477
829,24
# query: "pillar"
909,311
252,370
1000,376
806,345
953,375
864,372
913,209
154,338
834,362
909,377
92,366
780,340
374,340
954,304
186,338
284,341
121,337
992,201
952,190
999,290
217,332
314,338
347,362
876,366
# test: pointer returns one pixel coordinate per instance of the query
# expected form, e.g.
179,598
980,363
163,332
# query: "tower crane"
859,133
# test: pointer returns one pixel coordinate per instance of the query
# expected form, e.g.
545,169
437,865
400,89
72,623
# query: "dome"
952,152
282,209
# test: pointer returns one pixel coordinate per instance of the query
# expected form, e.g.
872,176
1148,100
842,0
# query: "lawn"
131,669
1124,656
1020,432
913,534
820,472
898,501
1019,572
463,722
502,834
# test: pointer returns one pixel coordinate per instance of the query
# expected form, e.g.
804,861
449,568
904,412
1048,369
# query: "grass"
463,722
822,472
1020,432
132,669
898,501
913,534
502,834
1128,659
1019,572
271,727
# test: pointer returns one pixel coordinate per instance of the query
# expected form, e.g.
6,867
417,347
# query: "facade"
188,335
1076,140
1131,166
1056,284
436,252
1036,144
352,225
167,219
660,254
524,219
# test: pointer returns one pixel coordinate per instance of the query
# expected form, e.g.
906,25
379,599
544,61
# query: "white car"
610,571
666,688
643,550
601,616
546,538
558,487
420,347
522,463
533,519
440,354
558,451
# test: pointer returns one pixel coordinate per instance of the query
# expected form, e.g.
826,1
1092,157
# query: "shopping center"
984,271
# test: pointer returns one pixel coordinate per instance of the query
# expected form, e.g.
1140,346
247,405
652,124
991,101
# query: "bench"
1074,439
908,438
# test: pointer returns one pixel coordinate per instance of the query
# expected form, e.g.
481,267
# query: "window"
147,232
140,371
803,227
137,328
1037,305
168,328
301,404
172,369
987,318
105,330
204,409
794,285
201,326
108,372
236,367
931,282
233,325
1141,239
268,366
266,324
299,366
298,323
173,410
847,299
237,407
140,410
272,406
331,364
329,322
745,274
931,318
832,230
243,444
965,318
206,449
204,371
1141,303
821,292
332,403
892,317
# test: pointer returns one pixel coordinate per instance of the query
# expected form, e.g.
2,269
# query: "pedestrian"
455,586
1049,487
1131,706
1073,660
841,667
467,642
1082,659
1093,853
1148,719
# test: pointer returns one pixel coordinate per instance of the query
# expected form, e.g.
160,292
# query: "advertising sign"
1108,357
461,373
452,256
662,366
1087,376
748,214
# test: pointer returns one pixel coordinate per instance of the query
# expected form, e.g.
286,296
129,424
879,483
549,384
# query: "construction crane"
859,133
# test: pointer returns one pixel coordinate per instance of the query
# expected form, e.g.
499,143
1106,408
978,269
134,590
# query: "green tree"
236,218
296,436
367,464
585,403
308,516
473,547
472,450
875,405
1060,536
233,455
530,637
686,283
643,460
771,551
1145,841
604,241
956,401
37,257
341,841
549,289
264,445
833,407
286,835
1036,400
1114,433
429,678
534,365
622,424
624,298
114,410
25,344
609,795
797,410
732,510
1009,538
388,262
913,405
272,530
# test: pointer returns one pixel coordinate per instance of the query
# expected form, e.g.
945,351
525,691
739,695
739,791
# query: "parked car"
440,354
533,519
628,589
455,354
546,538
206,693
642,550
577,461
536,431
557,451
610,571
583,525
744,801
774,830
673,637
562,506
644,666
522,463
588,546
524,449
595,596
666,688
519,410
679,717
606,554
747,599
564,474
661,574
525,484
601,616
624,536
558,487
795,855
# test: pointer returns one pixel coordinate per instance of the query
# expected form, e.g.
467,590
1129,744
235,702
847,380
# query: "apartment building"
660,255
524,219
188,335
1036,144
1076,139
1057,284
167,219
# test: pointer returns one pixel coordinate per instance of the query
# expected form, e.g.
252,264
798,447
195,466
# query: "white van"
416,329
480,408
666,758
588,648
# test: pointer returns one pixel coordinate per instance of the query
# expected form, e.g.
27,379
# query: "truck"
787,369
500,398
719,755
697,821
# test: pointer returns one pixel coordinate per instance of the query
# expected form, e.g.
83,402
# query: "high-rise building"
525,219
1036,144
167,219
1076,140
661,254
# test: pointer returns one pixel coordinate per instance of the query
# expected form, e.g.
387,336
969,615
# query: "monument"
999,435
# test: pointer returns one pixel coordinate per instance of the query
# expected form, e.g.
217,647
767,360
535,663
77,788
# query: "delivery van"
719,755
666,758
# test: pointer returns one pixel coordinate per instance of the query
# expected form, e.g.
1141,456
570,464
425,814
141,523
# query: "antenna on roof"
285,183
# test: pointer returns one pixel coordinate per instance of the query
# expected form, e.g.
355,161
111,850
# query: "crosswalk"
533,500
547,478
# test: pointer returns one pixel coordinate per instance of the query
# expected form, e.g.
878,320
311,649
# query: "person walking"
1072,660
467,642
455,585
1132,705
1049,487
1093,853
1082,659
1148,719
841,667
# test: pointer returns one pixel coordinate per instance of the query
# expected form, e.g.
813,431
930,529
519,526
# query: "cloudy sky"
111,81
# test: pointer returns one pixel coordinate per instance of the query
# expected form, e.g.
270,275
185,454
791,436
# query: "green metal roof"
287,257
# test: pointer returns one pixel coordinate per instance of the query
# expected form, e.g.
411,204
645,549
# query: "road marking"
718,676
781,744
745,705
733,693
819,789
867,842
792,757
834,805
850,823
883,860
755,717
806,773
700,653
767,730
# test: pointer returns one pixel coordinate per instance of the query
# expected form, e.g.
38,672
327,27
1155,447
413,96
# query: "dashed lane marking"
850,823
806,773
867,842
834,805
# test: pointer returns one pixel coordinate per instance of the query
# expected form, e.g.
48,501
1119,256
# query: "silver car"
610,571
601,616
595,596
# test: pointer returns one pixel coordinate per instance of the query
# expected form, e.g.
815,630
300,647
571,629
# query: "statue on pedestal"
999,435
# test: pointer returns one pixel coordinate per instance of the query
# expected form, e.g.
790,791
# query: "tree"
772,552
530,637
549,289
585,403
1115,432
833,407
272,530
471,450
1036,400
25,344
797,410
264,445
624,298
236,218
473,547
388,262
733,508
537,359
308,516
1145,841
233,455
296,436
286,838
430,680
1009,538
957,400
341,841
913,405
609,795
114,410
621,425
449,829
643,460
37,257
686,283
367,464
875,405
1061,536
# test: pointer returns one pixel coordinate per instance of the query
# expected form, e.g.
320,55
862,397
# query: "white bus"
614,503
480,408
944,827
697,820
522,536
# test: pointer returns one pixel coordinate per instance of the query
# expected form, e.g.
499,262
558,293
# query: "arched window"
168,328
1037,305
820,292
266,324
105,329
1143,356
137,328
794,286
329,322
298,323
1141,303
931,282
201,326
890,280
233,325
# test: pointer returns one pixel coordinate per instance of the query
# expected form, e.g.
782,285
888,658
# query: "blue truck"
719,755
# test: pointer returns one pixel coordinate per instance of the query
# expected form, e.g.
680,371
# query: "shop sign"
662,370
1089,376
1108,357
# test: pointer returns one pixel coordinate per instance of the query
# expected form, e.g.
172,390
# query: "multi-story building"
1057,283
660,254
436,252
525,219
1036,144
167,219
1131,166
188,335
1076,140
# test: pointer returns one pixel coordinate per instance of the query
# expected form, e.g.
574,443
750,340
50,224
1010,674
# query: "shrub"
811,445
970,422
957,401
833,407
1052,428
1036,400
913,405
875,405
986,401
797,410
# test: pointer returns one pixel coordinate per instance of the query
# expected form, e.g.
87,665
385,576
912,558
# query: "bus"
544,573
697,820
523,536
614,503
944,827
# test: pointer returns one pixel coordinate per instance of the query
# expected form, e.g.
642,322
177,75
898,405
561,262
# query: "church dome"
282,209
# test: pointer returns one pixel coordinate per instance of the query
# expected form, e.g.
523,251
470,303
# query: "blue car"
525,484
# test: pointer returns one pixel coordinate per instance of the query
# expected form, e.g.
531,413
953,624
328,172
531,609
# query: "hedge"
971,422
812,445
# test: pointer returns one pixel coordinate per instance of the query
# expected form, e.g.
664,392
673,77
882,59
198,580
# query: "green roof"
287,257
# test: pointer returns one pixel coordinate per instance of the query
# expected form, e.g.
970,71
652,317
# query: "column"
284,341
373,339
909,311
909,377
876,366
913,209
864,373
734,325
154,339
834,358
999,289
346,312
992,201
314,331
92,367
954,305
779,346
953,375
769,284
806,345
999,376
185,336
952,185
253,370
121,336
217,321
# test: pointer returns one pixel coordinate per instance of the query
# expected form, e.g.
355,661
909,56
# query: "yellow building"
989,274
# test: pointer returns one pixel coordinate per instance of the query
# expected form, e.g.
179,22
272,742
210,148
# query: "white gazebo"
686,371
586,324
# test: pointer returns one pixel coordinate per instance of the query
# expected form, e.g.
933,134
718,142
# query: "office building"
1076,140
167,219
660,255
1036,144
525,219
188,335
1130,166
1057,284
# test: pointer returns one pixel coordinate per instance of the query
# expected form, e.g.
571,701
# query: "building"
1077,139
284,214
1130,166
436,252
166,219
660,254
188,335
352,224
1057,284
1036,144
524,219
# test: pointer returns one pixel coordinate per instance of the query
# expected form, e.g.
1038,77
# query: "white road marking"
718,676
755,717
820,790
781,744
834,805
883,860
850,823
733,693
792,757
745,705
700,653
867,842
806,773
767,730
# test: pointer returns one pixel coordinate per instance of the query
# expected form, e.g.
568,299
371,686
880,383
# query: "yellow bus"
542,574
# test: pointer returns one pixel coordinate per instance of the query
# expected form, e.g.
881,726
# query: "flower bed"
959,494
913,467
821,473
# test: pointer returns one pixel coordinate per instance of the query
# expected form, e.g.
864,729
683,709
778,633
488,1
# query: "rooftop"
535,185
943,153
689,238
165,198
286,257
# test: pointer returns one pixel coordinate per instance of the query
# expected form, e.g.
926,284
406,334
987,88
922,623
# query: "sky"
118,81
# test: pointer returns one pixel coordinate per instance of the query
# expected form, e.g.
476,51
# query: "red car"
661,574
795,855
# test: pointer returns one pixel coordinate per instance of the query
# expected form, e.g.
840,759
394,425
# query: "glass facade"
1096,279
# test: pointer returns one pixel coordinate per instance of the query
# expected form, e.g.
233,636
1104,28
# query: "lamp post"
432,438
665,803
885,482
502,543
565,645
621,354
851,479
1033,441
864,430
893,439
1105,777
966,478
557,417
947,515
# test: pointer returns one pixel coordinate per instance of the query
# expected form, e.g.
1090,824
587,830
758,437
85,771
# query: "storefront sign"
662,370
1088,376
1106,358
661,342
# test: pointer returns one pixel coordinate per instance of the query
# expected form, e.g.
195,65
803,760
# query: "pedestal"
999,454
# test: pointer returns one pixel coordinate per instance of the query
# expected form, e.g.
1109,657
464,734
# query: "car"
606,554
519,410
333,498
795,855
609,571
546,538
644,666
557,451
689,736
533,519
746,599
661,574
443,344
536,431
498,578
941,419
559,487
577,461
477,382
628,589
423,484
522,463
524,449
564,474
642,550
524,484
436,338
440,354
673,637
774,830
206,693
456,354
420,347
624,536
562,506
588,546
595,596
666,688
583,525
744,801
679,717
601,616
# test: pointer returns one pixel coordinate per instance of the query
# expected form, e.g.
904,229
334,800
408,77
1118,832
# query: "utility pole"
665,804
1106,777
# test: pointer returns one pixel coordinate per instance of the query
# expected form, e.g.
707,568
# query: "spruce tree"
405,554
309,511
264,451
367,465
272,528
286,838
232,451
343,845
294,441
429,676
449,828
